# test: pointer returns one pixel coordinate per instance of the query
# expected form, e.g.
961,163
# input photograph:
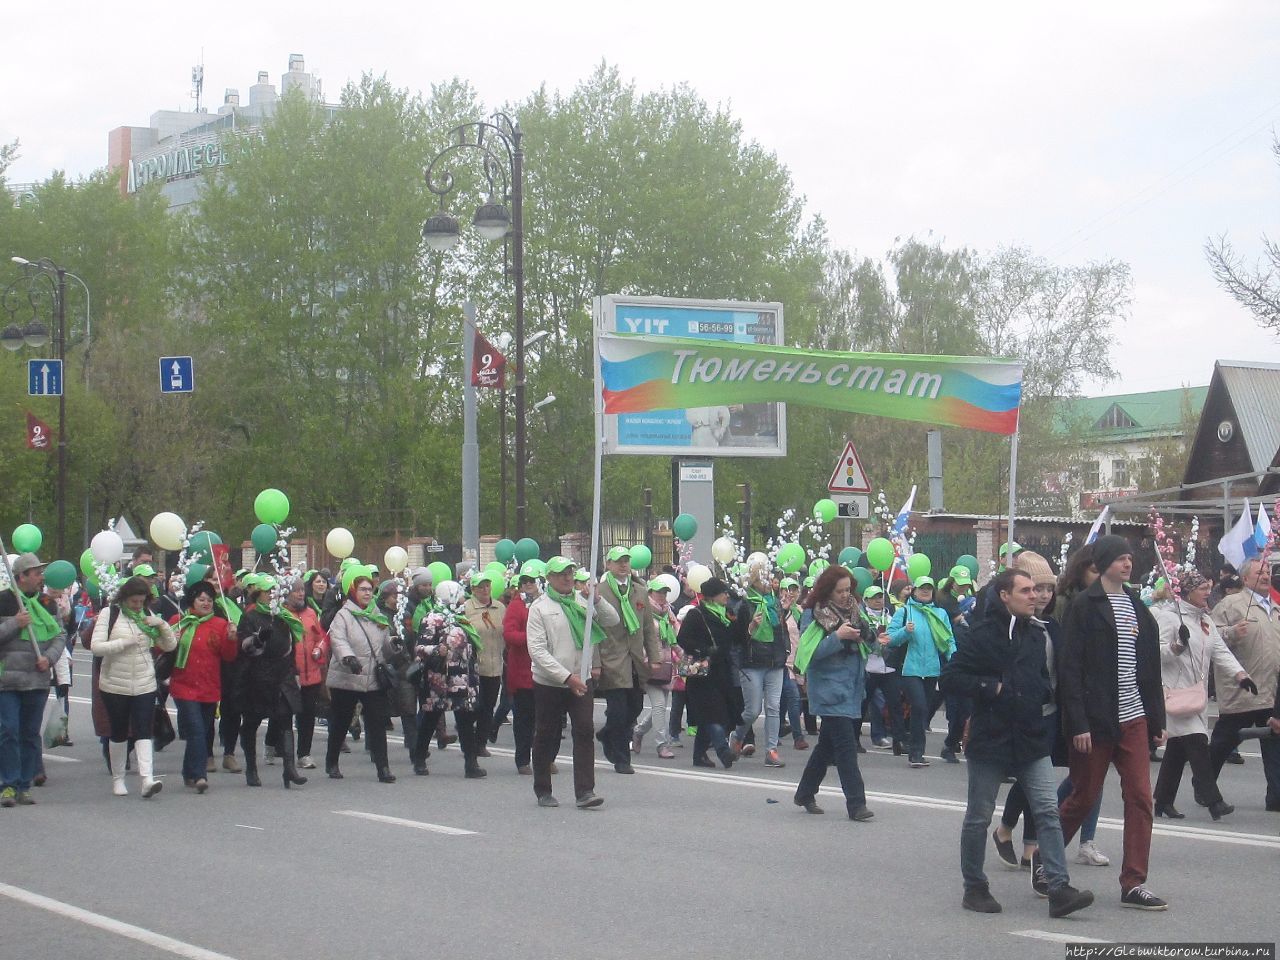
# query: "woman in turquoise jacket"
925,630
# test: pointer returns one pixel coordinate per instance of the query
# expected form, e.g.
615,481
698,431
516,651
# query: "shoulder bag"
1187,701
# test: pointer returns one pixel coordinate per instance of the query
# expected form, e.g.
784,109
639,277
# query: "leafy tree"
1256,288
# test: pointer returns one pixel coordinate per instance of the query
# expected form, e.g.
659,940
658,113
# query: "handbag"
162,732
384,675
660,673
1187,701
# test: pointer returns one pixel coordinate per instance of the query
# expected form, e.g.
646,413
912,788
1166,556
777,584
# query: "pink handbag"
1187,701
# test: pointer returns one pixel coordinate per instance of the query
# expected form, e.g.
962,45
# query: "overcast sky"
1121,130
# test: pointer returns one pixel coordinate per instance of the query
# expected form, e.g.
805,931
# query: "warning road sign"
848,476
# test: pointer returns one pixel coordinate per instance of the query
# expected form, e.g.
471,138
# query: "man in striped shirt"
1112,702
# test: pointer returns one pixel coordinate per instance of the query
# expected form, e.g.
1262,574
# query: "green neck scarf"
629,617
717,611
372,614
939,625
470,631
809,641
577,618
423,610
42,621
295,625
137,617
767,606
311,602
186,633
229,609
666,632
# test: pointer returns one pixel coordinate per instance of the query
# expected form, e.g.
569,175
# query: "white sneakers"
306,763
1091,855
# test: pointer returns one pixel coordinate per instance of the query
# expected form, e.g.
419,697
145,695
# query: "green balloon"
271,506
850,556
504,550
86,565
496,567
195,573
95,592
440,572
201,546
825,510
862,577
918,565
59,575
880,553
790,558
527,549
27,539
685,527
264,538
641,557
816,568
970,563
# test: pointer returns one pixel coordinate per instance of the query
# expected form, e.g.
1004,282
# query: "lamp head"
441,232
11,339
492,220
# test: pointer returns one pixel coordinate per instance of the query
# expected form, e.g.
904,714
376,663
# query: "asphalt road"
679,862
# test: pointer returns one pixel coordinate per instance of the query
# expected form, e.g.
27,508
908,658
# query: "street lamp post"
34,334
498,140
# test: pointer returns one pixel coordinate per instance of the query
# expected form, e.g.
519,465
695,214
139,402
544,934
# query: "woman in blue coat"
925,630
834,643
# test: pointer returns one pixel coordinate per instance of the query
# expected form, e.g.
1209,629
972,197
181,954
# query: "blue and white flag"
1262,529
900,523
1236,543
1098,524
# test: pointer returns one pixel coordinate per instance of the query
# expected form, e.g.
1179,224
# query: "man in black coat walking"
1003,667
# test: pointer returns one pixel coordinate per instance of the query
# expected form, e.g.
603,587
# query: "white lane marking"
1054,937
246,826
111,925
416,824
57,759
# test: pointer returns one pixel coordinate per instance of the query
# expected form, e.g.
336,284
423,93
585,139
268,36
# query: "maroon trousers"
1132,758
550,704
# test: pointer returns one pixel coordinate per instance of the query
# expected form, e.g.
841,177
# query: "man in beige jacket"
1250,624
485,613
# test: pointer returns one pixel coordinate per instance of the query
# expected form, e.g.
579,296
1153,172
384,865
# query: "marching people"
1187,656
311,660
519,667
557,632
882,675
713,701
789,707
485,613
123,638
834,645
1005,669
205,643
1112,702
630,645
763,648
31,641
925,631
657,687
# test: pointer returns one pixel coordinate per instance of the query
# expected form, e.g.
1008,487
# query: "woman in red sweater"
519,668
205,642
311,657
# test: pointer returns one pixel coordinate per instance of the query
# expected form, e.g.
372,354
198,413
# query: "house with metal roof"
1239,430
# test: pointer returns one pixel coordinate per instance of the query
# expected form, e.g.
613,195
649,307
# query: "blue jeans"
761,689
21,712
1037,779
789,706
921,693
709,735
195,722
836,744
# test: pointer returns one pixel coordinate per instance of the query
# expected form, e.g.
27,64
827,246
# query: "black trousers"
676,712
124,712
621,708
1178,751
467,723
836,746
550,706
490,687
1226,737
522,725
307,718
376,709
229,729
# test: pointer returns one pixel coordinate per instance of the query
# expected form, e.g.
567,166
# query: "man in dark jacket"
1002,667
1112,700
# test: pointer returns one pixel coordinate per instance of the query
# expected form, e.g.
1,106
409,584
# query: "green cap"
348,563
960,574
560,564
496,581
1004,547
531,570
788,583
924,582
582,576
241,572
260,581
657,586
618,553
872,592
354,572
144,570
308,575
809,581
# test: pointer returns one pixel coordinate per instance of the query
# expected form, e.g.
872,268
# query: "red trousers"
1132,758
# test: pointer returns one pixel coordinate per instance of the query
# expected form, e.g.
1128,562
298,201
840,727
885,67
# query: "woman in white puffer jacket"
123,636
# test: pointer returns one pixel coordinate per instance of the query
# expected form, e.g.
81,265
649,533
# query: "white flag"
1232,544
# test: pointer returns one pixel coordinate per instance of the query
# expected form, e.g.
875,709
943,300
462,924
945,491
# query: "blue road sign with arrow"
44,378
177,375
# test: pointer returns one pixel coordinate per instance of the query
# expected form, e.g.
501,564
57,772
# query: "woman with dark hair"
270,678
925,630
205,642
834,645
707,636
311,658
123,637
1077,575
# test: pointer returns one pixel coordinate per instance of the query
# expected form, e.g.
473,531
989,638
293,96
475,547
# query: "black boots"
251,763
291,775
473,769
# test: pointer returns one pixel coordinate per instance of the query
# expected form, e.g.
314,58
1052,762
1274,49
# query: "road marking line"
247,827
1055,937
111,925
416,824
57,759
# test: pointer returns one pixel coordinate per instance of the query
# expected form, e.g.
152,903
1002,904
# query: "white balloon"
167,531
340,542
724,550
106,547
670,584
697,576
395,559
757,559
449,593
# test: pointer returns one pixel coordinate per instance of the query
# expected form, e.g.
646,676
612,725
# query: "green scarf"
939,626
311,602
42,621
423,610
767,606
809,641
295,625
716,610
577,618
229,610
666,632
372,614
470,631
186,633
137,617
629,617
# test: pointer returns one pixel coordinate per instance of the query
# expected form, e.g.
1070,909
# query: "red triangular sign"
848,476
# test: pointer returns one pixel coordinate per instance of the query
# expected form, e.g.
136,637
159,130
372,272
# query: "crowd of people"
1033,670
